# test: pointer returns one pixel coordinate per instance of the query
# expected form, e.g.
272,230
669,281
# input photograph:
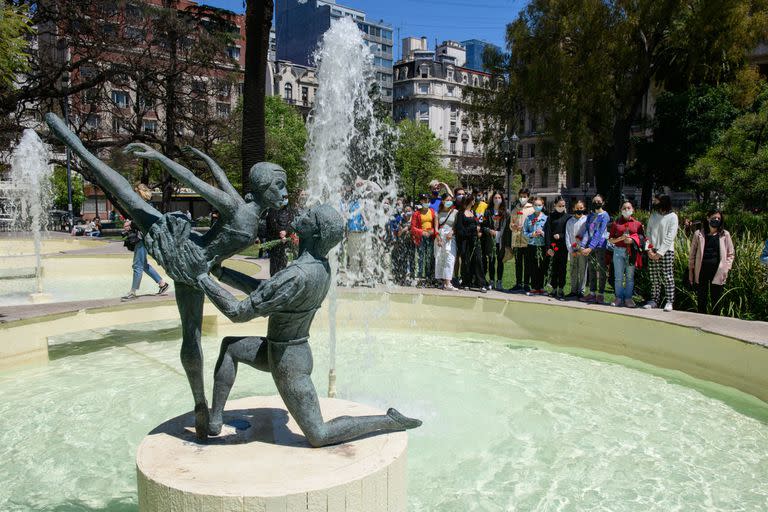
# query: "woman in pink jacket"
710,260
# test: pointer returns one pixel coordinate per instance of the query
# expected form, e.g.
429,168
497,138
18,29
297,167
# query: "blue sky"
436,19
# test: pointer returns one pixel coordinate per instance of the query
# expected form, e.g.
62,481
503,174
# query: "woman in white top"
445,250
662,231
574,232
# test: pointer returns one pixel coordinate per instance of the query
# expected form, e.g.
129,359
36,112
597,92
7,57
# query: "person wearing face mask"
709,262
458,201
662,231
480,204
423,230
627,236
404,251
555,242
574,233
520,211
434,191
445,250
468,232
495,220
533,230
593,247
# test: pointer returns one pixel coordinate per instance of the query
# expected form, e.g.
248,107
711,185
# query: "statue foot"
214,427
404,421
201,421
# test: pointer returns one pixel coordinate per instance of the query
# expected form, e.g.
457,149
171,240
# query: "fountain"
349,165
30,197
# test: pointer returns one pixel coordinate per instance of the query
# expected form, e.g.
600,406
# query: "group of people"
456,239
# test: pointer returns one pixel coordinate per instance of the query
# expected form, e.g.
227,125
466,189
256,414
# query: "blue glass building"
475,49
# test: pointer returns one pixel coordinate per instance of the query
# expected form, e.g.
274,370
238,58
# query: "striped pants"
663,274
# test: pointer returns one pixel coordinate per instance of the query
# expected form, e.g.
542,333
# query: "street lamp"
621,168
509,151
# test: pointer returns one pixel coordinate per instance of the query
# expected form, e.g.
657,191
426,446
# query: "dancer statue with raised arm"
236,229
290,299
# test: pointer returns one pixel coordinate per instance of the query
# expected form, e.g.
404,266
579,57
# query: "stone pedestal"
262,462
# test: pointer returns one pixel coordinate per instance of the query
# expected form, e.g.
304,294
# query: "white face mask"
627,213
559,209
523,200
497,202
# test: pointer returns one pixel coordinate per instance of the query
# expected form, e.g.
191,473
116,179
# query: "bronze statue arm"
237,280
218,173
218,198
236,310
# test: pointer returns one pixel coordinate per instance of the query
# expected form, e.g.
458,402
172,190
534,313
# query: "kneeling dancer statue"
290,299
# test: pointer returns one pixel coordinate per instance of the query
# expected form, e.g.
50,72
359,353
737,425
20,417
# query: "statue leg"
190,303
291,369
248,350
141,212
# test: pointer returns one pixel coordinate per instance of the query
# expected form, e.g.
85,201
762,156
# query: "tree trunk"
258,22
171,101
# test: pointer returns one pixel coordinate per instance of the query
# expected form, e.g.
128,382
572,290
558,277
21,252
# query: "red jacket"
416,232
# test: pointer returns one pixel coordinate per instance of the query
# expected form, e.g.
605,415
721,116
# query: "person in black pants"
495,222
711,257
468,236
554,236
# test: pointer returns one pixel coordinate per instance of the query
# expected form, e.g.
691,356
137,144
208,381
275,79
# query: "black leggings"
494,262
559,267
472,273
708,291
538,263
522,270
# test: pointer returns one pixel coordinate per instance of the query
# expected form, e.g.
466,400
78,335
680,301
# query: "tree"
258,23
736,167
286,138
586,66
60,198
417,158
14,27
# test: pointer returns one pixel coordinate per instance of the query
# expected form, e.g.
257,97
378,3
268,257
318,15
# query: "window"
120,99
382,63
423,110
93,121
475,81
520,151
118,125
305,96
423,88
198,86
222,110
200,108
233,52
450,90
223,89
449,74
463,78
544,178
134,12
288,92
135,34
464,145
532,150
149,126
533,124
424,71
453,146
386,34
146,103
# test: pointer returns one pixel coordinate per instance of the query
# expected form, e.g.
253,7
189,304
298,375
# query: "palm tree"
258,23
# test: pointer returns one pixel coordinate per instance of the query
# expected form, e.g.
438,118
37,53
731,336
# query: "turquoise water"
508,424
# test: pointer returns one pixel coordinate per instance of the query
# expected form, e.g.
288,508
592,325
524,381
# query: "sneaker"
129,296
616,303
668,307
589,298
483,290
450,288
163,288
651,304
599,299
629,303
515,289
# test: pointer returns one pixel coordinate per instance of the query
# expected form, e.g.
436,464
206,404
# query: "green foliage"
286,141
417,158
736,167
14,28
60,199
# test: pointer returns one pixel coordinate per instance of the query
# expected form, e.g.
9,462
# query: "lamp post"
509,151
621,168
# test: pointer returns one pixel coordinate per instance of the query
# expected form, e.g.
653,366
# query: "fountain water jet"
349,165
31,195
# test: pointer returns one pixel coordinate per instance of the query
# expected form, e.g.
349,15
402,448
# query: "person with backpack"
134,241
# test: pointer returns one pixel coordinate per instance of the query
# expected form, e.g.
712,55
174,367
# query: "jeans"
140,265
426,263
624,273
578,274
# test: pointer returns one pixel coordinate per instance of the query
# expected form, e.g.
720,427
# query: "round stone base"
262,462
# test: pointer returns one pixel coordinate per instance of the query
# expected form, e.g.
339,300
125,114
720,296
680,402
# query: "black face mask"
715,223
596,205
580,212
